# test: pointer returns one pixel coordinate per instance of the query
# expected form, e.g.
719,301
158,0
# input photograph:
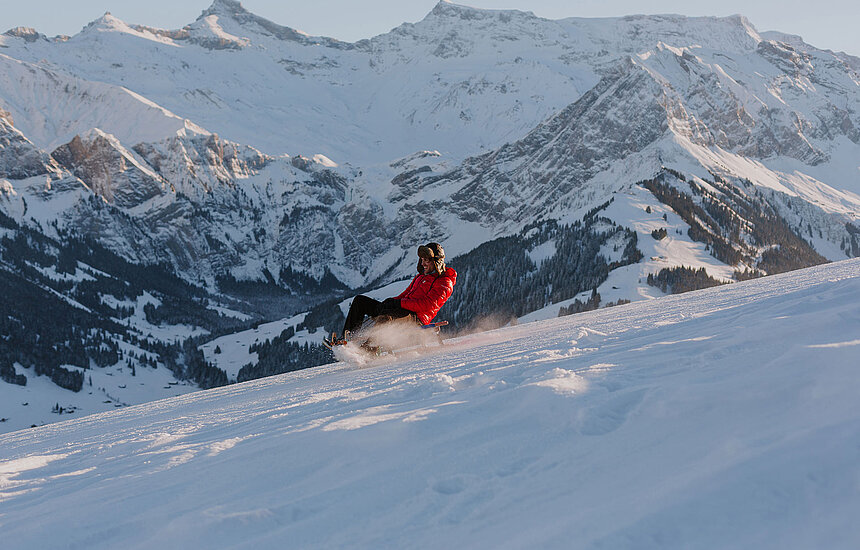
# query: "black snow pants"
380,311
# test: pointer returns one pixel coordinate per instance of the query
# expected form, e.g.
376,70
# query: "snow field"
34,404
723,418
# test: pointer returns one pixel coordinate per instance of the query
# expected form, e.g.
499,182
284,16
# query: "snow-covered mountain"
725,418
598,160
571,111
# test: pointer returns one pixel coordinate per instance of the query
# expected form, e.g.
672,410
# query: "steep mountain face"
111,171
521,181
27,172
51,106
206,206
19,158
673,90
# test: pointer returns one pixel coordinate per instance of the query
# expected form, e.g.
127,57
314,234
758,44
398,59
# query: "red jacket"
426,294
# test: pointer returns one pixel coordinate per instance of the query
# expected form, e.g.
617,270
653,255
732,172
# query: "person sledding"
415,306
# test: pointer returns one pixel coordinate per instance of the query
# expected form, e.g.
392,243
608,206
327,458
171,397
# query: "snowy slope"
42,402
51,108
724,418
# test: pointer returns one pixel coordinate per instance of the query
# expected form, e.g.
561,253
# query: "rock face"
27,33
208,206
110,171
19,158
522,180
535,119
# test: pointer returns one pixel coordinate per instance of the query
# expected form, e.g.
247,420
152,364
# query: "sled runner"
389,338
436,326
331,341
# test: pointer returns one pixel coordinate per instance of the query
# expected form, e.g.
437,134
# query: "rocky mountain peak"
107,23
449,9
29,34
449,15
230,8
457,31
233,17
209,33
111,171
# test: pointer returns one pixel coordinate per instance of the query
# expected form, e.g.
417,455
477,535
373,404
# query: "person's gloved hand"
391,303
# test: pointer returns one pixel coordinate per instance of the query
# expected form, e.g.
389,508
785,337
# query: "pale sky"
827,24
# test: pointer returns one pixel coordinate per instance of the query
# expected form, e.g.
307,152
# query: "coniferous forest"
737,226
58,323
498,281
682,279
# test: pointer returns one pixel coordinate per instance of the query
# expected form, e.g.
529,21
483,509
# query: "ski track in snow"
723,418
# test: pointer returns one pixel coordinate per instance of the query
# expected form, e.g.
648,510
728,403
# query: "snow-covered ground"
42,402
724,418
233,351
